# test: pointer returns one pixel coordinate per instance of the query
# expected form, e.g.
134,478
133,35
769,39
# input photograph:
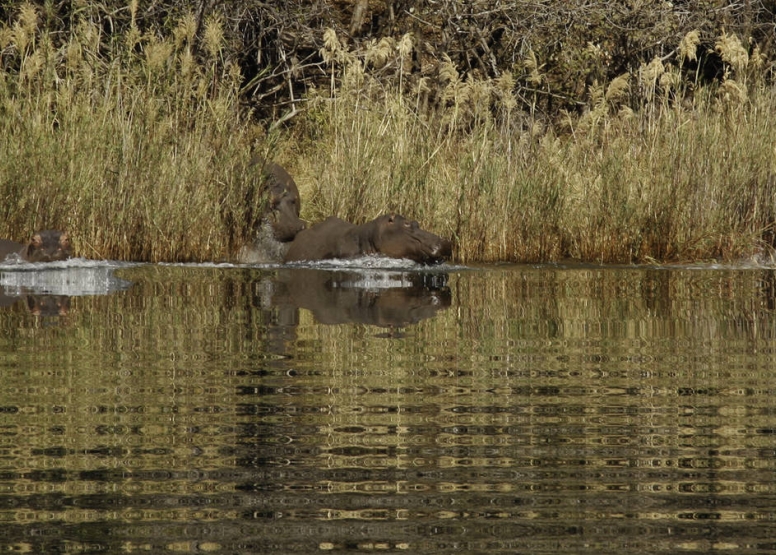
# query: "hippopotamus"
280,222
389,235
283,203
45,246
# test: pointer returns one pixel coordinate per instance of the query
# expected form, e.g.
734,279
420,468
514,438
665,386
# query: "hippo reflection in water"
280,222
390,235
379,298
45,246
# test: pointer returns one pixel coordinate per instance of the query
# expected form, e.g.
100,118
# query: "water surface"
502,409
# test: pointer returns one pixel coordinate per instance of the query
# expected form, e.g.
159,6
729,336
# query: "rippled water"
489,410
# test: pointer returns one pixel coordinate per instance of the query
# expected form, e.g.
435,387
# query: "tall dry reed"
128,142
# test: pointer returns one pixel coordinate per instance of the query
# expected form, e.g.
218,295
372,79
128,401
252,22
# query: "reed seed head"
688,46
158,54
732,92
73,55
6,37
732,52
133,5
32,65
650,73
380,53
28,18
405,45
88,34
331,46
185,30
671,79
214,36
618,89
447,71
504,89
532,67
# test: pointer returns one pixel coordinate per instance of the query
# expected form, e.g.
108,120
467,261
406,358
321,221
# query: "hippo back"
322,241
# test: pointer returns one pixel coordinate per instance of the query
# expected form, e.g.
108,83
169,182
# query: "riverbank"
138,148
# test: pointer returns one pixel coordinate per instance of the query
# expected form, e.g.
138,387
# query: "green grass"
137,148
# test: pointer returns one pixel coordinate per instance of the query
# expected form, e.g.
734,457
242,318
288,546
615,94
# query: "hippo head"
283,203
398,237
48,246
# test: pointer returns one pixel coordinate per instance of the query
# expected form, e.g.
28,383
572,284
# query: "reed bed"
677,178
138,149
129,143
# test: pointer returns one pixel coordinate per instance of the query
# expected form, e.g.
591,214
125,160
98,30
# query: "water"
502,409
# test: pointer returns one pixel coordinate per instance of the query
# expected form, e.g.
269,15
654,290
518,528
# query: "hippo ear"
36,240
64,240
391,218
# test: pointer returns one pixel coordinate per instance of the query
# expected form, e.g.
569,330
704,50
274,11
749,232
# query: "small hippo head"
283,203
48,246
398,237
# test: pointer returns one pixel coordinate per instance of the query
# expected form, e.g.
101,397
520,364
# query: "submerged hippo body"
390,235
45,246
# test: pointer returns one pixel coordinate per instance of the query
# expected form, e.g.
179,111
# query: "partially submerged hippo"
283,203
45,246
280,222
390,235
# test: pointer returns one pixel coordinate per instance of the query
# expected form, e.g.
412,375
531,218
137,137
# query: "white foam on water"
209,265
367,262
364,262
376,280
74,277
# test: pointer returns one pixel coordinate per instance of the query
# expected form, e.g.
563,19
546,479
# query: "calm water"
482,410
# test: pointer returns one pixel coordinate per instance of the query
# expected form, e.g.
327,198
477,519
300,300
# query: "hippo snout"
441,251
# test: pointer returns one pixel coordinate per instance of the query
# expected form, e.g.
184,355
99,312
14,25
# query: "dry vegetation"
129,125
